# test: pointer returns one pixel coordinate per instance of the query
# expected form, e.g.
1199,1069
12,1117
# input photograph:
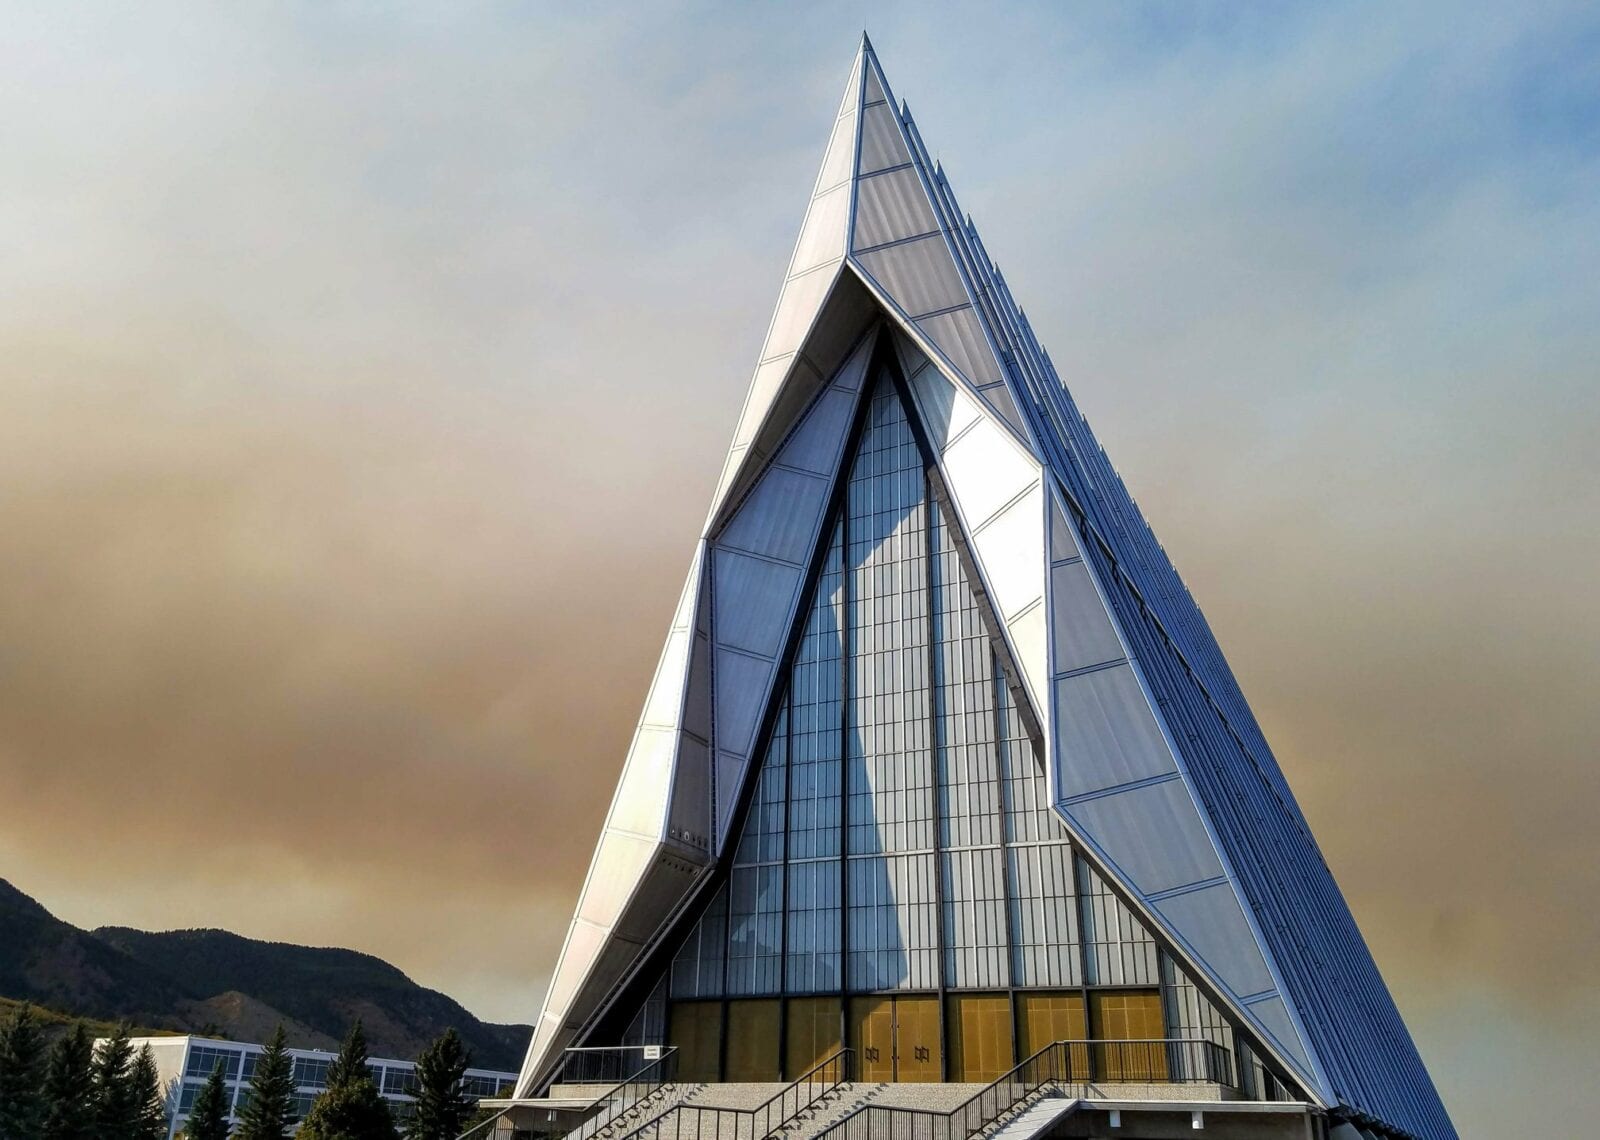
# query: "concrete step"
831,1109
610,1124
1033,1119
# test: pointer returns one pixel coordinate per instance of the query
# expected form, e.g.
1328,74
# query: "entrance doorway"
897,1038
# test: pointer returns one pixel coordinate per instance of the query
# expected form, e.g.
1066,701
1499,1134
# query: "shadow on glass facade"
900,883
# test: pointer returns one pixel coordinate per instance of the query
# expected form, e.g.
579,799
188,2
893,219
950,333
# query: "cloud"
367,375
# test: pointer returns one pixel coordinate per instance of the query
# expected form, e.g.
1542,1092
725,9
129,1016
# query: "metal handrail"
690,1121
1061,1063
481,1129
599,1064
628,1095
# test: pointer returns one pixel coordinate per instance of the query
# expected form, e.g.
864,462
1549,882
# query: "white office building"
185,1063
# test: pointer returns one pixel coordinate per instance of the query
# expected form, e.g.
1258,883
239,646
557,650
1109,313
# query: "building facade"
185,1064
941,760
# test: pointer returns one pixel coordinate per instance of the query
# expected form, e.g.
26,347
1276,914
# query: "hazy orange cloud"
366,378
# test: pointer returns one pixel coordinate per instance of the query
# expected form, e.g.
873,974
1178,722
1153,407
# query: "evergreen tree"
350,1063
150,1106
268,1112
443,1108
22,1060
208,1116
116,1111
69,1106
351,1108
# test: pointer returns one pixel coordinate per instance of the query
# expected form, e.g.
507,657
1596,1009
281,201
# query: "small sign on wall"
652,1052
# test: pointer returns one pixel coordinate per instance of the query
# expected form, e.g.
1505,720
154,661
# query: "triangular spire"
1153,761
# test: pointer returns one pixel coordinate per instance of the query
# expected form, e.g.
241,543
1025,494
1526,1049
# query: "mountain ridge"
212,980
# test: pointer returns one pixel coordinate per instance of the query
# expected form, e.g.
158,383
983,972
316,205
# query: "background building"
185,1063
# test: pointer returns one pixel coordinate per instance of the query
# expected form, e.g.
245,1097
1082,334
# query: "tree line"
73,1090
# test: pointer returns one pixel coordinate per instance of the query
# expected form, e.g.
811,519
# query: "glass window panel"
1119,951
697,969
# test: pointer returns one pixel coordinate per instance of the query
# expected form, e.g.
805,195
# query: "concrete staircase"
1036,1117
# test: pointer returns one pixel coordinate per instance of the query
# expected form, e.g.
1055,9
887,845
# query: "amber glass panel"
1130,1015
813,1032
753,1040
980,1037
1045,1018
918,1052
695,1027
872,1035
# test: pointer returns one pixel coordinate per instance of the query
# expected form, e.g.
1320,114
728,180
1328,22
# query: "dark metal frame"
1057,1065
702,1122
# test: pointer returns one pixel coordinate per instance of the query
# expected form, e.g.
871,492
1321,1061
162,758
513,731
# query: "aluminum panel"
797,308
1211,924
854,370
1082,632
874,90
730,467
890,207
1028,638
910,355
822,237
1273,1017
764,385
1010,547
780,520
1063,542
817,442
1153,832
697,699
986,470
640,807
664,884
689,817
619,862
946,411
585,941
882,144
665,703
959,335
613,961
683,616
849,314
731,770
1000,402
919,276
1106,734
754,600
840,156
742,684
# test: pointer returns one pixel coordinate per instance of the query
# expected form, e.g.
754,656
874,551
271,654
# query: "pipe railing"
704,1122
602,1065
644,1080
1057,1065
630,1095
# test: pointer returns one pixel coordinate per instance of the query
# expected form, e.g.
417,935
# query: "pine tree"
69,1106
351,1108
443,1107
351,1061
268,1112
150,1106
22,1062
208,1116
116,1112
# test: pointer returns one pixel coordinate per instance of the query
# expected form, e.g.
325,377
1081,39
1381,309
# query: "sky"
367,370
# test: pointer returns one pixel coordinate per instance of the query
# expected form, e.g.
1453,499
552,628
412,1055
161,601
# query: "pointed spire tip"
866,41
